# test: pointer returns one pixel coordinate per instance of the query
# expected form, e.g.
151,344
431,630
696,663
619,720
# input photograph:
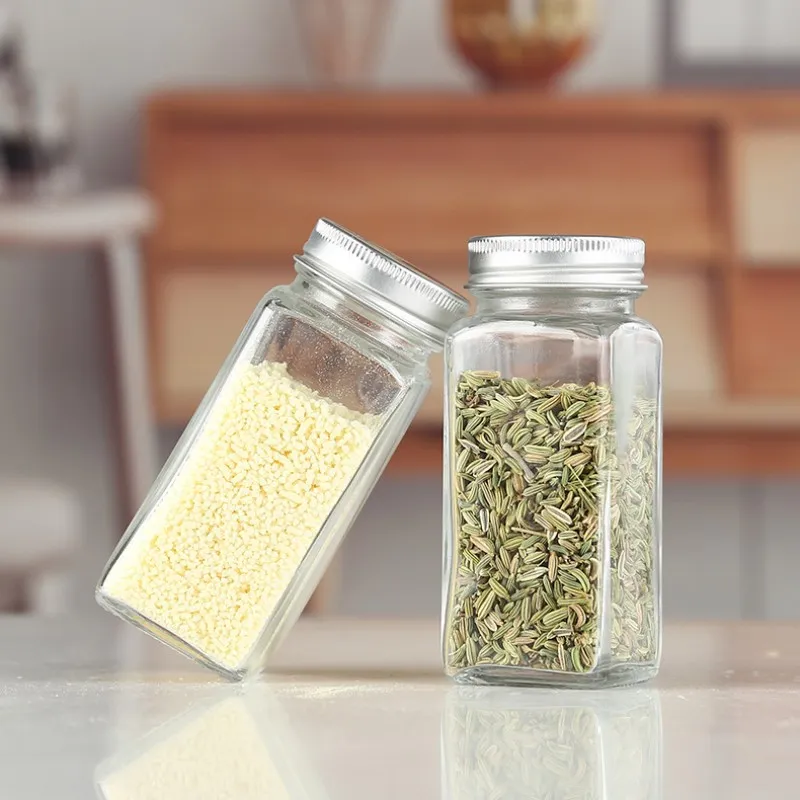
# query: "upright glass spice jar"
281,454
553,467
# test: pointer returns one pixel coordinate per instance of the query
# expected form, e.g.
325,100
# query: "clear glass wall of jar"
281,454
552,512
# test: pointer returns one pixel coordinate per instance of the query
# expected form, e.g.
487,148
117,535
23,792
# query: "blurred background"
162,161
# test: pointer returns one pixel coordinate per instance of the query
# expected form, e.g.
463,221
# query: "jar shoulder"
639,334
533,325
350,331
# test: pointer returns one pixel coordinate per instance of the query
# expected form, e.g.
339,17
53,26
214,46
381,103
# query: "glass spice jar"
281,454
553,467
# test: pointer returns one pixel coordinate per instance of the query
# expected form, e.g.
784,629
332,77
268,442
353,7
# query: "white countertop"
360,710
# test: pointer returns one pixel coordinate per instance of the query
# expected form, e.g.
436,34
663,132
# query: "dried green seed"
534,467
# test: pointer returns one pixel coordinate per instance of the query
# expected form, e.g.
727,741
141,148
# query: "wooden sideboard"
711,181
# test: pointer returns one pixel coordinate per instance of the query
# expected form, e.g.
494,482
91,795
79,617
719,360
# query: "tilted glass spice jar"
553,467
281,454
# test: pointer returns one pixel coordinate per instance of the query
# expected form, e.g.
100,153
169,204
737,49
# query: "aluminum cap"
382,280
592,262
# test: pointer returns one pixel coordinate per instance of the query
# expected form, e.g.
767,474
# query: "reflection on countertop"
361,710
517,743
240,746
496,743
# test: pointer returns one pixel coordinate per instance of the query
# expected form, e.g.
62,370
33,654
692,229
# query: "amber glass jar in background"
522,43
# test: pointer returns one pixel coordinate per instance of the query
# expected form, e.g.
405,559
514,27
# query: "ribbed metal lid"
382,280
598,262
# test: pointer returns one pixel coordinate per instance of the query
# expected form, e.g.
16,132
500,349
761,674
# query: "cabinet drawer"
200,313
770,196
767,364
681,305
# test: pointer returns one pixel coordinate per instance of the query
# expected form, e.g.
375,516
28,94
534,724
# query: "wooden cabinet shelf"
689,453
709,180
722,414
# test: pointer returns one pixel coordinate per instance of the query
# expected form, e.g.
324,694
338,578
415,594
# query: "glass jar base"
605,678
166,636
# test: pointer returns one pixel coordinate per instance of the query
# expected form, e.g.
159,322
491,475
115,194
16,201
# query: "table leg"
140,461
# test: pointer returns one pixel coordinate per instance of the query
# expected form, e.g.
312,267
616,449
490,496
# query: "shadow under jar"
553,468
281,454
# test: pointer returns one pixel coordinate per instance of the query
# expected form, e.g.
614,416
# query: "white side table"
110,223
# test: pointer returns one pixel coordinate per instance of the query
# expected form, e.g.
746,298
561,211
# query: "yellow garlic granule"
214,557
219,755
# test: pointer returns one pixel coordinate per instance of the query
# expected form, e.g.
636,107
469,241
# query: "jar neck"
555,302
361,318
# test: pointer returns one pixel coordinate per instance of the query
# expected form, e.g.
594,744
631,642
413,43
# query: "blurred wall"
725,541
114,52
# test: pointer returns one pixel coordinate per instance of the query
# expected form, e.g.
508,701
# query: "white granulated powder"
214,557
217,756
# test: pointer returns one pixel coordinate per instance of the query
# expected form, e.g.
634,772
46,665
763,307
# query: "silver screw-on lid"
382,280
597,262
